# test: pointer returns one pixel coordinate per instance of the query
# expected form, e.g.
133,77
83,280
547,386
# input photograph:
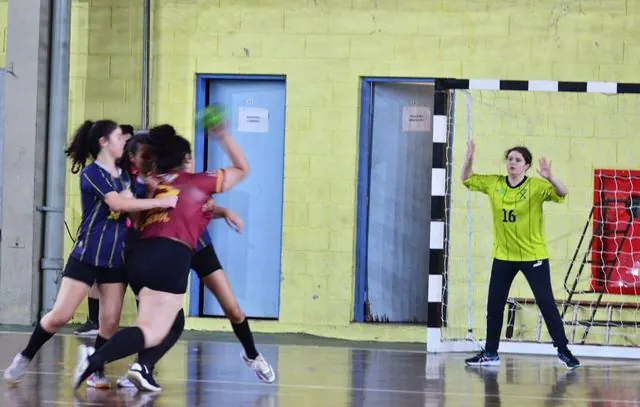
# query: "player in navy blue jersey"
90,327
98,254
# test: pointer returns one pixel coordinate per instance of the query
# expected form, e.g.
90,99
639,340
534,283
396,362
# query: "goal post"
588,131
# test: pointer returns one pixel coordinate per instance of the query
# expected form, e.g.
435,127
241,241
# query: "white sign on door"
416,118
253,120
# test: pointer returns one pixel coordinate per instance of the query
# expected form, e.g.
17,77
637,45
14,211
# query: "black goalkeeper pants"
538,276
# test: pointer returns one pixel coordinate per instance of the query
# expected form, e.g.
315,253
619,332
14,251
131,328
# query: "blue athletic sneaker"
484,358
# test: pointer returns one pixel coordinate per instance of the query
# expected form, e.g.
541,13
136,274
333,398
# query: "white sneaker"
98,380
82,364
15,372
263,370
142,378
124,383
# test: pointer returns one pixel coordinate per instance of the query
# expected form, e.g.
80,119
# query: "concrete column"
23,159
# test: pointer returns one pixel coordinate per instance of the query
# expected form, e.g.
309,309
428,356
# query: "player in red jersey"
159,265
207,266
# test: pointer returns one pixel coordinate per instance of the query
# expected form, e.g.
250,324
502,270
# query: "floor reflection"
201,372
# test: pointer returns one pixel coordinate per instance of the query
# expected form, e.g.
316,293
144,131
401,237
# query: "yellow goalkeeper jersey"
518,225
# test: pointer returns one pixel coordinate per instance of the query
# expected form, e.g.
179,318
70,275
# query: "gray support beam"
23,158
52,262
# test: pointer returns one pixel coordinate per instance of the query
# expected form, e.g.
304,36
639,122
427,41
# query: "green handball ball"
210,116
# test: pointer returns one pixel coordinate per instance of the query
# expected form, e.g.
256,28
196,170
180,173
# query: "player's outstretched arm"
467,166
545,172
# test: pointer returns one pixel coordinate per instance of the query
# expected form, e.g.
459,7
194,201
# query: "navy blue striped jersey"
140,191
140,188
204,241
102,233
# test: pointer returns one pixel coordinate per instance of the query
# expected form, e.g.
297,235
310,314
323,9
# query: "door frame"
365,136
200,147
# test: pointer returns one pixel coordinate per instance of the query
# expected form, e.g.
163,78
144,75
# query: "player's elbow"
562,191
233,176
466,174
244,172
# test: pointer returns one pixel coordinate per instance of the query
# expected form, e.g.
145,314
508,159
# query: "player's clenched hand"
209,205
126,194
220,131
167,202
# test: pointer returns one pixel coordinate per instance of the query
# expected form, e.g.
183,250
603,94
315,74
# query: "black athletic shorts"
133,236
159,264
88,274
205,261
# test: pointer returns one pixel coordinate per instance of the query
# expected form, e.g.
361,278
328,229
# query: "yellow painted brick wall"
578,132
324,46
105,82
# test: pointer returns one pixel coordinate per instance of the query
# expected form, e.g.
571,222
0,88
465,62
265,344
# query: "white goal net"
593,237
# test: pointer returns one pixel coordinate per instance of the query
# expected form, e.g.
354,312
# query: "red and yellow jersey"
187,221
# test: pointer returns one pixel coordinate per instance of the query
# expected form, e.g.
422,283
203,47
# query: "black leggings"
538,276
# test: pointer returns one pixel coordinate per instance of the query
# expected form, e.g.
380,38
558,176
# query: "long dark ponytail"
86,142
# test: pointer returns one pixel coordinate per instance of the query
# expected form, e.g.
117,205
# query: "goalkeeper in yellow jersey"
519,245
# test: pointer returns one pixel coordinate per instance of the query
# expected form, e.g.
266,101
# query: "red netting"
615,252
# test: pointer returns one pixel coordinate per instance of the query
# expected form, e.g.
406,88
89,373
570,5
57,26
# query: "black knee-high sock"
243,332
38,338
99,342
124,343
149,357
94,310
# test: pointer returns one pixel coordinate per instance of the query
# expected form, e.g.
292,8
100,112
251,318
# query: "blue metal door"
398,202
256,116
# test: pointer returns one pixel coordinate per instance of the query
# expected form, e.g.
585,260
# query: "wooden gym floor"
205,370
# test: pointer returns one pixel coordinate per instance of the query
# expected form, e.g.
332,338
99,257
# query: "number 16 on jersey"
508,216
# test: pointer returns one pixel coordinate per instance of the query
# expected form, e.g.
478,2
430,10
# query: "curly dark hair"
164,150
